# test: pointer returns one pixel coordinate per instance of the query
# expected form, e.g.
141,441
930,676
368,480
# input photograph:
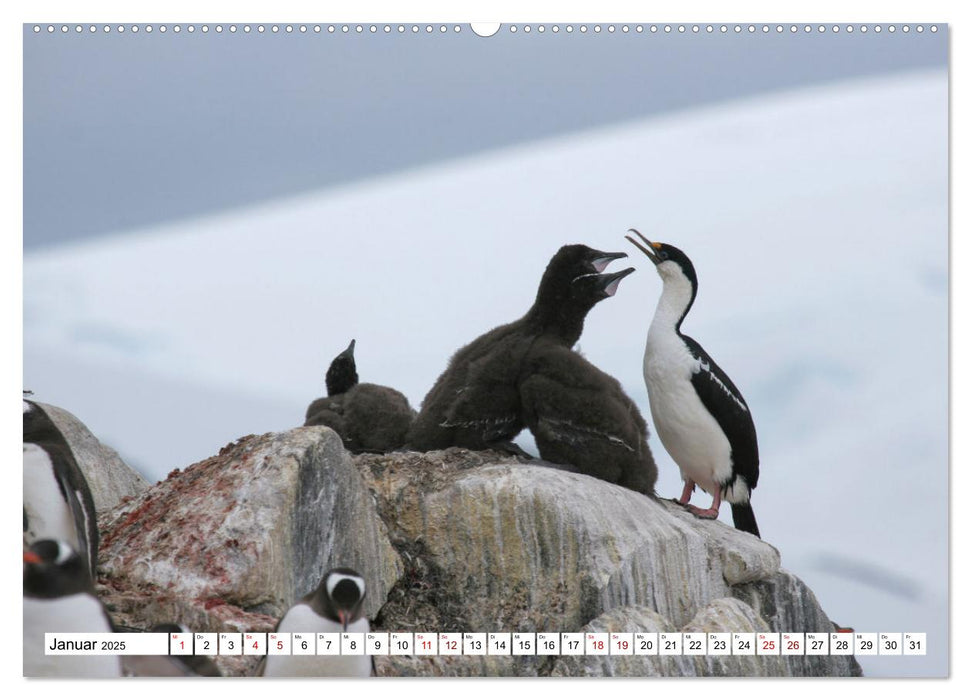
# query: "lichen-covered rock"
625,619
245,533
533,548
138,609
450,541
108,477
722,615
732,615
787,605
491,543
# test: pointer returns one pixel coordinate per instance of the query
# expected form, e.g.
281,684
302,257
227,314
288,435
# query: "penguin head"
52,569
342,373
671,263
37,424
342,591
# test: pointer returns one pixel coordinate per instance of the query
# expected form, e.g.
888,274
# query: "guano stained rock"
449,540
492,544
230,543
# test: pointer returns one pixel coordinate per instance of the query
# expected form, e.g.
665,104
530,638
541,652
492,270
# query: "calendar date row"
493,644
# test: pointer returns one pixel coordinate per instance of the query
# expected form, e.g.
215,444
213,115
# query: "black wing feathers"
725,402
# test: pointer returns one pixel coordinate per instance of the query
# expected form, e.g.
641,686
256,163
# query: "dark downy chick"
579,415
368,417
475,403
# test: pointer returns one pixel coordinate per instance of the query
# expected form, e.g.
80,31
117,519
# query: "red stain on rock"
180,520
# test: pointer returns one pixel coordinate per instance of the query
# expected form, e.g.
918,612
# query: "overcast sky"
123,130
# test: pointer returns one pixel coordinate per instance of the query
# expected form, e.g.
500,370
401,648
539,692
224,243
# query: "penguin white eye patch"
64,552
335,579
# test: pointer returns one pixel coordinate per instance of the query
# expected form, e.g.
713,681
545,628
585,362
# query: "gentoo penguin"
579,415
475,403
368,417
334,606
175,665
59,597
699,414
57,501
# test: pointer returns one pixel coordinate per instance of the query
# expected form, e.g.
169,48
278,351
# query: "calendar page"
439,348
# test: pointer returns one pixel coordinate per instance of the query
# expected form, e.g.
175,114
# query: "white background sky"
639,285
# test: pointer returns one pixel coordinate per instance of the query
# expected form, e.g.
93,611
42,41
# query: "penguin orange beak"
649,249
31,558
342,617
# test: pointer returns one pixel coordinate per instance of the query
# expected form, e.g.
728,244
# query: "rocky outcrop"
230,543
451,540
788,605
532,548
108,477
509,546
722,615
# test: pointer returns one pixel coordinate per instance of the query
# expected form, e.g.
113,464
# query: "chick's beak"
612,280
601,260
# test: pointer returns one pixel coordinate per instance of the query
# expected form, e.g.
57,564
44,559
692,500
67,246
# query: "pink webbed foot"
689,487
708,513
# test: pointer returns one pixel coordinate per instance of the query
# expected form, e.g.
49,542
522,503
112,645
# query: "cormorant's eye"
663,255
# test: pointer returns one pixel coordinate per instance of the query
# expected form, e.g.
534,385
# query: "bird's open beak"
612,280
601,260
649,247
